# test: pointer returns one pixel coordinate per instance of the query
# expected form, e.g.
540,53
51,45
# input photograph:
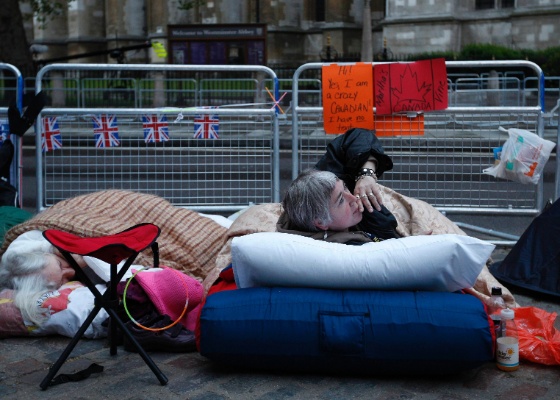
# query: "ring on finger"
370,194
363,196
358,196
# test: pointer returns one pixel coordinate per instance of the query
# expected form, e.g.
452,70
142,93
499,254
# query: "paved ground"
24,363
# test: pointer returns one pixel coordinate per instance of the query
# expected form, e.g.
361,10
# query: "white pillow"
67,308
30,241
432,263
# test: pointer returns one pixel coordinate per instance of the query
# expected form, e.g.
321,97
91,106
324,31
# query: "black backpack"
8,193
19,124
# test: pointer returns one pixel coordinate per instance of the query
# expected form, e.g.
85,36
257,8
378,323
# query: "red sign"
420,86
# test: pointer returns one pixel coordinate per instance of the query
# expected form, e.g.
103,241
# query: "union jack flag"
4,130
155,128
51,139
105,130
206,126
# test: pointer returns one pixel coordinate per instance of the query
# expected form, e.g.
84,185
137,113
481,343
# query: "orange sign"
399,125
347,97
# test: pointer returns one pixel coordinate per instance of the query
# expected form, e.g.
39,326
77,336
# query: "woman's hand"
368,194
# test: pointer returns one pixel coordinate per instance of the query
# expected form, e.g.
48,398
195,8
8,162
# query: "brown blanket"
188,241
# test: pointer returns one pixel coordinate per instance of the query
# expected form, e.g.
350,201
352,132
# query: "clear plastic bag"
523,157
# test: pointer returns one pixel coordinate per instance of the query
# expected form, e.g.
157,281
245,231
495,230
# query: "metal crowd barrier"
9,93
237,164
443,166
473,91
551,89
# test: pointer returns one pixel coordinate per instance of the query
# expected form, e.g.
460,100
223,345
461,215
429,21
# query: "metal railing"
443,166
145,88
224,170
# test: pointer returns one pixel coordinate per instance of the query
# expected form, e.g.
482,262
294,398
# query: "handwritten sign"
417,86
347,97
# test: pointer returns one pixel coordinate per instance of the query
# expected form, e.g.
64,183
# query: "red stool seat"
112,248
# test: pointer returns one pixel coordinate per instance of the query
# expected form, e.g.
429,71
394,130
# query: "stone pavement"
24,363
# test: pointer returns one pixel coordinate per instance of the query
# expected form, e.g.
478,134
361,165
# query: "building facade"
413,26
288,31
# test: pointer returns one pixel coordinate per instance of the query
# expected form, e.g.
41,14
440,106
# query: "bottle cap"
507,313
496,291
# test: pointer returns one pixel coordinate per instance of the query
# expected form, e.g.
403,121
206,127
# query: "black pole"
96,53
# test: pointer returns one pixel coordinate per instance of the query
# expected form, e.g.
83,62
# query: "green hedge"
548,59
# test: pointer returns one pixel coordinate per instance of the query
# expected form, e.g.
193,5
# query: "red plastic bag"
539,340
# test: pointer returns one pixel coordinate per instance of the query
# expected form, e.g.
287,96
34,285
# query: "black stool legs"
108,301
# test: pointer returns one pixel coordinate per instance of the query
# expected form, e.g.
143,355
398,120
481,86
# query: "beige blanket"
415,217
188,241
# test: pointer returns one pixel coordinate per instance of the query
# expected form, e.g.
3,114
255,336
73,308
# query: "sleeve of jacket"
347,153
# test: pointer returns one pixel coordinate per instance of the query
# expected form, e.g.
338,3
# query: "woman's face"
58,270
344,208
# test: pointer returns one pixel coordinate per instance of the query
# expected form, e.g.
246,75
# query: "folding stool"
112,249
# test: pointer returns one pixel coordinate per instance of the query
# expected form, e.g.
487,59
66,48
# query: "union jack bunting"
206,126
106,130
4,130
155,128
51,139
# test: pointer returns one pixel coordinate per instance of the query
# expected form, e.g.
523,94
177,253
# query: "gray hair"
308,199
22,272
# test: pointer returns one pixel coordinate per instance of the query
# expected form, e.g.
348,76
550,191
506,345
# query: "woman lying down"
50,300
188,245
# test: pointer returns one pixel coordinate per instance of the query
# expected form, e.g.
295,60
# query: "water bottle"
495,305
510,163
507,346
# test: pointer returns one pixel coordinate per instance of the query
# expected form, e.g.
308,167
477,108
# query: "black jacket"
344,157
347,153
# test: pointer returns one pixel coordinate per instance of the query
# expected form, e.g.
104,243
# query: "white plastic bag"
523,157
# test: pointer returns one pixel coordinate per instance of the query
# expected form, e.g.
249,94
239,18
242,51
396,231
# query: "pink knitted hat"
168,289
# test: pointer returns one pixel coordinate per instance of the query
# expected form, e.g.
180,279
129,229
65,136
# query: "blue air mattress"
348,331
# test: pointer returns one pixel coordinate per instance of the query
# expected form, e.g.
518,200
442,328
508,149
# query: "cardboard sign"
347,97
418,86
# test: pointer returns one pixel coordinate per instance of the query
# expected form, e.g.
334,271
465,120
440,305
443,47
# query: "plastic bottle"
510,163
507,346
495,305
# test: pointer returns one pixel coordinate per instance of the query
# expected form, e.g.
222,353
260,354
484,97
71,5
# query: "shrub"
548,59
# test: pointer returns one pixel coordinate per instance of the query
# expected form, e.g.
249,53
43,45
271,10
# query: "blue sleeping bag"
346,331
